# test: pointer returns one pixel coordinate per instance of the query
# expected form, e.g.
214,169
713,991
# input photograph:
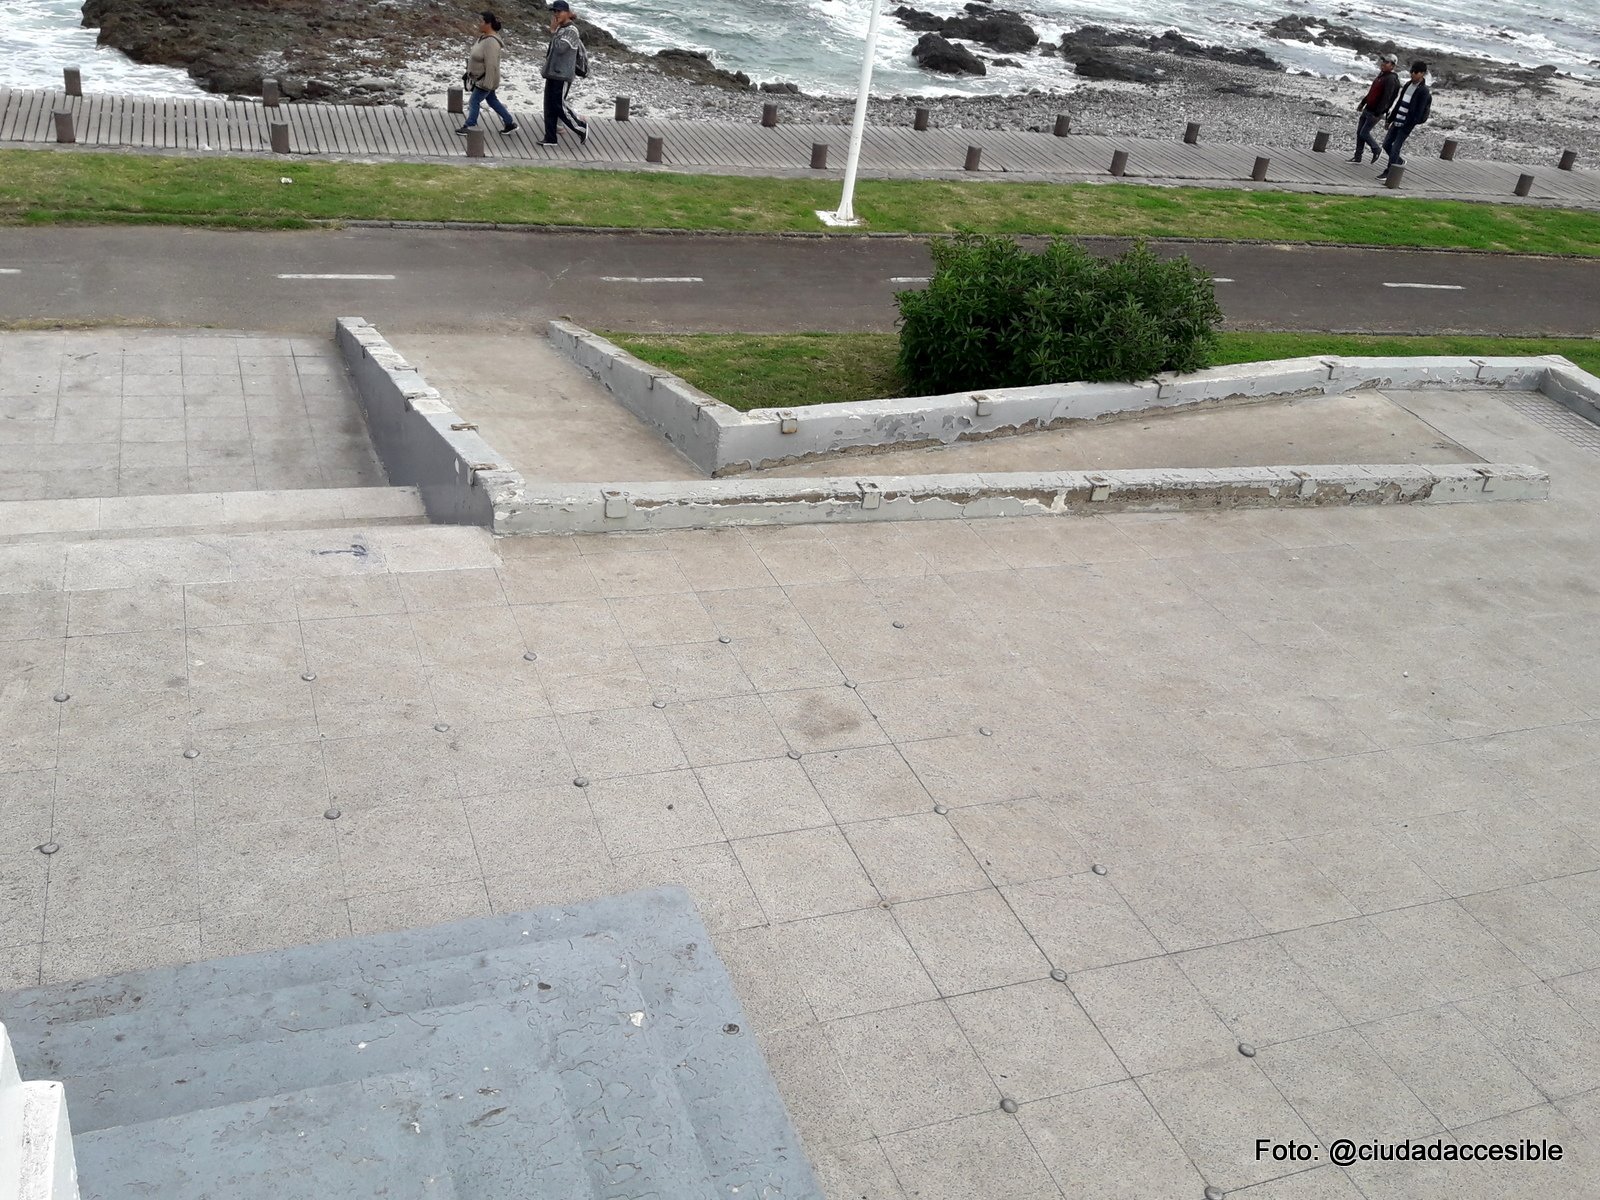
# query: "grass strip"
789,370
40,187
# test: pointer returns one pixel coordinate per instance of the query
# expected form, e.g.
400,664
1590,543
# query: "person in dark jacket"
565,60
1412,107
1379,100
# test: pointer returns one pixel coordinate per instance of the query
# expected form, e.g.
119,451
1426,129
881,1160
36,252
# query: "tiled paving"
136,413
1338,767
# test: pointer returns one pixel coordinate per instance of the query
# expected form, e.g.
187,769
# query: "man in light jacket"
565,60
1411,108
483,74
1379,100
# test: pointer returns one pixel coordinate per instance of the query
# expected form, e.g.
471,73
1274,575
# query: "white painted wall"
36,1161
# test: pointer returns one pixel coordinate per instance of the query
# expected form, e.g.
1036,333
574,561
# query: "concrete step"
574,1051
208,512
379,1136
79,1048
702,1035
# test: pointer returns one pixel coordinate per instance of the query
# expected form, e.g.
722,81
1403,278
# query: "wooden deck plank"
189,123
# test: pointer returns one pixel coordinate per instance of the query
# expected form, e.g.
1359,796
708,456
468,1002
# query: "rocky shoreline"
1112,81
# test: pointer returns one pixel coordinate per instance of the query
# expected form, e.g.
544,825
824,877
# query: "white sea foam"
817,43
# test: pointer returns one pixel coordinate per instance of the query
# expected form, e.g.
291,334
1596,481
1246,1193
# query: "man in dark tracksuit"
1379,100
1411,108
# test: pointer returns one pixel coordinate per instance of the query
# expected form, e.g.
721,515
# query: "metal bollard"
1569,159
1191,134
819,156
920,121
477,143
1319,144
622,108
974,156
453,101
72,77
271,93
64,131
1119,162
769,116
654,148
1448,150
1524,185
1063,125
1259,171
1392,180
278,132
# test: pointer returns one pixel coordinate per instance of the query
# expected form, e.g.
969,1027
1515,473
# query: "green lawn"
39,186
787,370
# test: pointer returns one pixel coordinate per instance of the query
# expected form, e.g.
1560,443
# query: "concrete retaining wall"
588,508
421,441
720,440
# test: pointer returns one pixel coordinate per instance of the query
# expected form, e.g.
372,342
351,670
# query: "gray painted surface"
638,1031
377,1136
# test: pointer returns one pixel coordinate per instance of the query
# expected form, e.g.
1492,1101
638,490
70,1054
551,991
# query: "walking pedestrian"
1379,100
483,74
564,60
1411,108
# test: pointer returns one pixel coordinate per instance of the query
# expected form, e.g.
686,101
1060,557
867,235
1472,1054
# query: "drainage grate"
1558,418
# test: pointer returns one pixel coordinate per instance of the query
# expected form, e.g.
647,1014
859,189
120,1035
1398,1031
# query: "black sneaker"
1383,174
548,142
583,136
511,128
1356,159
465,129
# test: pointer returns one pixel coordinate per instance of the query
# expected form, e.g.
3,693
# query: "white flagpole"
846,214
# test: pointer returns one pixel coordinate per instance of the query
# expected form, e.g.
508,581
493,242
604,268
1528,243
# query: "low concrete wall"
421,441
720,440
589,508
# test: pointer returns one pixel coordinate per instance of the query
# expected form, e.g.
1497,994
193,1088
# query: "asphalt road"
421,280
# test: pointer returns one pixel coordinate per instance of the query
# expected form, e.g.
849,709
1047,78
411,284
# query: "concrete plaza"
1057,812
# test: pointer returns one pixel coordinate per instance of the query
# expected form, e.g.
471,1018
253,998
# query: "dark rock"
1004,62
781,89
696,66
1080,43
934,53
1105,66
918,21
1005,31
1173,42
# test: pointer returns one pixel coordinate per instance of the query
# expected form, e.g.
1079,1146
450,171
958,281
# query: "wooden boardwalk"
218,126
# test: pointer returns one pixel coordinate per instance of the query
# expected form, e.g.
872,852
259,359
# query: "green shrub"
996,315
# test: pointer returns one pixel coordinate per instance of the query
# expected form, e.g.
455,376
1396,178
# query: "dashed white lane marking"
651,279
10,271
1221,279
909,278
1429,287
335,276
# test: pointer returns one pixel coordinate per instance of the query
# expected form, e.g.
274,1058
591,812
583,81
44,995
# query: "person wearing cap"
483,74
1411,108
564,60
1380,98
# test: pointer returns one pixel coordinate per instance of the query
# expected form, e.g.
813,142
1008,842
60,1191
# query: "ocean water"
39,37
817,43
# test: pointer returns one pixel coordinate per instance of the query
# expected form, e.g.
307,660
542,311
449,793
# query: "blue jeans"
479,96
1364,138
1396,139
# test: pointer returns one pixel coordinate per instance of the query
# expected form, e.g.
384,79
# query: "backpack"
581,67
